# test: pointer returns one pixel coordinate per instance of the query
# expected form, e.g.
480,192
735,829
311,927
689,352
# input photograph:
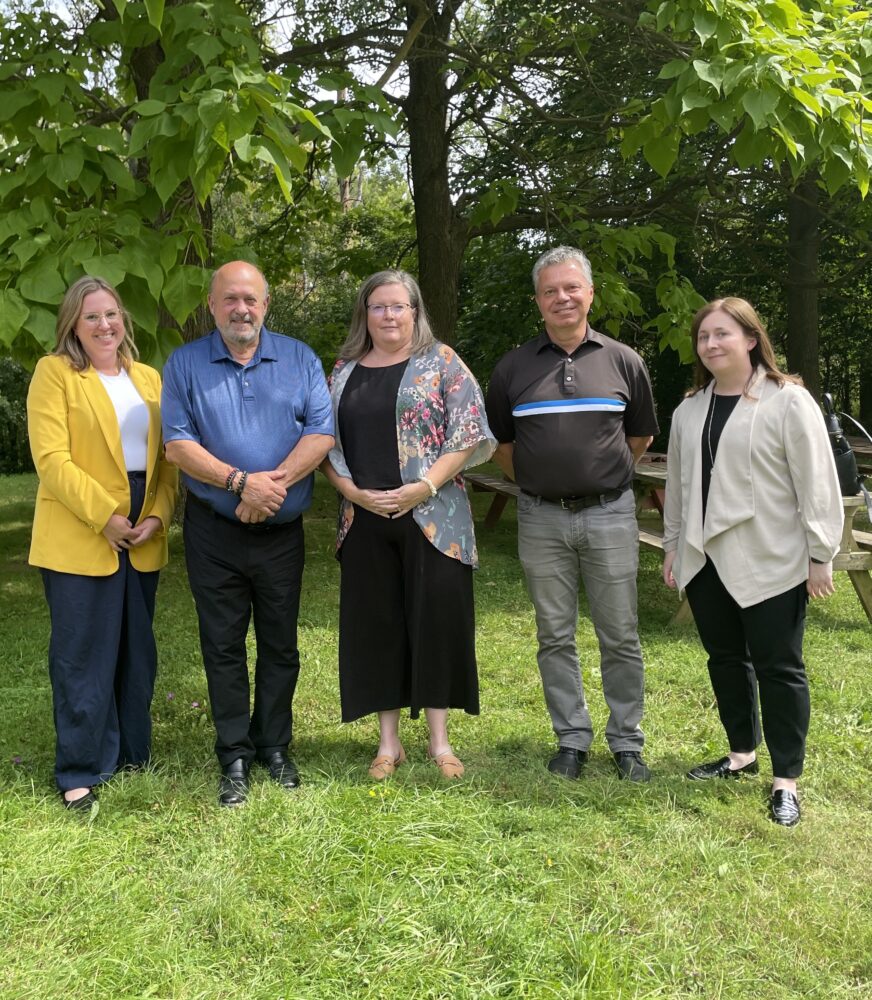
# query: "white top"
132,416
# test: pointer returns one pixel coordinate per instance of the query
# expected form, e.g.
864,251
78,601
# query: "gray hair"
562,255
68,345
358,342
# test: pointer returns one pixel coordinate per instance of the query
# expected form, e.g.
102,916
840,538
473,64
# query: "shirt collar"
592,336
266,348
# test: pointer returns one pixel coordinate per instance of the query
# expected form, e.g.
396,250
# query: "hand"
408,496
379,502
265,491
668,578
248,514
820,579
118,533
149,527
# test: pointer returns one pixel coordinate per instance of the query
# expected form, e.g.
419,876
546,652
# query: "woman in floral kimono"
409,419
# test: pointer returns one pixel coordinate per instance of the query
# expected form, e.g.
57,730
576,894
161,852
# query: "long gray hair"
358,342
68,344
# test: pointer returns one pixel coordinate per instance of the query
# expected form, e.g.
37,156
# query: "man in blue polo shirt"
573,412
247,418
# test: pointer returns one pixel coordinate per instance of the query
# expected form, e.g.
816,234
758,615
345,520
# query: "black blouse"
368,426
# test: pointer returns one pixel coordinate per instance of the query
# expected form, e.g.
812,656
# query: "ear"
752,343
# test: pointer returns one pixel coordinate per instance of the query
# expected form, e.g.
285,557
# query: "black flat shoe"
721,769
568,762
282,770
85,803
233,786
784,808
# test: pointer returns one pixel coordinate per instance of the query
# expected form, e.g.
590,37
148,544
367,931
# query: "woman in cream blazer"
105,499
752,520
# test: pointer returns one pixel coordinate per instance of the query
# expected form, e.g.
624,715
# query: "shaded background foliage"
693,148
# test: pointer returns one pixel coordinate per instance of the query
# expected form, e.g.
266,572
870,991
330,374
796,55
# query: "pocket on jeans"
526,503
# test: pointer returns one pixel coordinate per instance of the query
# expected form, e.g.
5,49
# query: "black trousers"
406,622
751,649
237,572
102,662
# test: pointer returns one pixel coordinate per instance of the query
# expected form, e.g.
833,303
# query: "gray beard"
239,341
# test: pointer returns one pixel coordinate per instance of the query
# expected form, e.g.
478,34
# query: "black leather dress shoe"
568,762
233,787
784,807
631,766
721,769
282,770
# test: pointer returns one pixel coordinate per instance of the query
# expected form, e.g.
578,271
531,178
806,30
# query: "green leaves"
185,289
662,151
13,313
783,81
94,181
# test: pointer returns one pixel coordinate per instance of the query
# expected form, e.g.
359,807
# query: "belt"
580,503
254,529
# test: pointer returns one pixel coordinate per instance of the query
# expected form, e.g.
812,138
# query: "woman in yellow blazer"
105,499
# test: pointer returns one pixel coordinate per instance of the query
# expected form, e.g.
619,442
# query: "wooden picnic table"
854,556
863,453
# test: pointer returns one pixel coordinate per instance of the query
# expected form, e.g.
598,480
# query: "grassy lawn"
510,883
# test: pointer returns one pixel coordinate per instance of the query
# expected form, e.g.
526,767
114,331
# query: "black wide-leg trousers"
753,649
237,572
406,621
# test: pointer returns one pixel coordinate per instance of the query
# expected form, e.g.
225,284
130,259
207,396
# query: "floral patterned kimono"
439,409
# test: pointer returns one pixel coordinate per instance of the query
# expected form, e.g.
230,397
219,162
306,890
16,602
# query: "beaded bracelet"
241,487
228,482
429,484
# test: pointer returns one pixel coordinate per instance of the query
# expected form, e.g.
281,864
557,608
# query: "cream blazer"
76,445
774,498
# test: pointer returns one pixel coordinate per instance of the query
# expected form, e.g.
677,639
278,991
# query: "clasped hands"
391,503
121,534
263,495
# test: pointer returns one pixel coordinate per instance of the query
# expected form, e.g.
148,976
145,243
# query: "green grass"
510,883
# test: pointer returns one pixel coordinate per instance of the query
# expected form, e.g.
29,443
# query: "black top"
569,414
719,412
368,426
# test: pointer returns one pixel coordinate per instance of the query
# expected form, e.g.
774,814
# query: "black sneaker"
631,766
568,762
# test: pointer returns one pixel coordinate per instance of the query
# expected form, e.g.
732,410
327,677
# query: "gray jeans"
601,545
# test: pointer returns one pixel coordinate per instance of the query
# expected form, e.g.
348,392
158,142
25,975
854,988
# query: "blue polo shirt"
251,416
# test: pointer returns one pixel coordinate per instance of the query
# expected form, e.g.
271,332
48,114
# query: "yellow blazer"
76,445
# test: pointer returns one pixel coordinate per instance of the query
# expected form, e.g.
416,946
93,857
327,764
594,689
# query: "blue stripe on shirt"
588,405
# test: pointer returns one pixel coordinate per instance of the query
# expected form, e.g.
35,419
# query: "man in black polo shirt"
573,412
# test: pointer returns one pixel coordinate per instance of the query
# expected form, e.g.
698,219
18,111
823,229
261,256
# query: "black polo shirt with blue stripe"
569,415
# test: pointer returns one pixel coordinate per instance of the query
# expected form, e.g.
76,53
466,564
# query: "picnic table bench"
502,488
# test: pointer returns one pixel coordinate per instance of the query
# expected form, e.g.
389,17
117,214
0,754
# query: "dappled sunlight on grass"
509,884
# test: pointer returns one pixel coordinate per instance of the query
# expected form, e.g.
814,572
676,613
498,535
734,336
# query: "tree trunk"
442,233
803,228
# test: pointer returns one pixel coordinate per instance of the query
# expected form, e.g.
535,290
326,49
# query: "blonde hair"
358,342
68,345
761,354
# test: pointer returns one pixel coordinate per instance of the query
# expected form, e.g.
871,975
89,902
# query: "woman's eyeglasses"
395,310
94,318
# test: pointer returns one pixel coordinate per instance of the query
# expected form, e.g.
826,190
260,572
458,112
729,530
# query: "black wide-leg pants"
237,572
751,649
102,663
406,621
